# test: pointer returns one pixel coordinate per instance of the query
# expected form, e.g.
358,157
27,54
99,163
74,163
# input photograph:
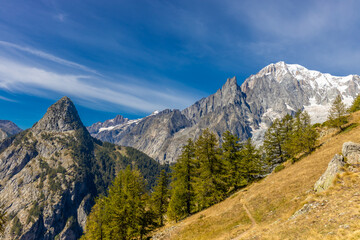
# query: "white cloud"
7,99
17,77
48,56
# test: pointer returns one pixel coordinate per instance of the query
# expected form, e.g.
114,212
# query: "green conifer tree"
355,106
275,141
234,165
160,197
337,114
177,209
308,135
125,213
253,162
96,221
182,193
210,184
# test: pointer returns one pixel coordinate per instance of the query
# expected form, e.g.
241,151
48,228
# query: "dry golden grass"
273,200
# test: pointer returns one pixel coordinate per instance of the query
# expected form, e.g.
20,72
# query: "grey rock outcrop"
246,110
118,120
326,180
351,151
60,117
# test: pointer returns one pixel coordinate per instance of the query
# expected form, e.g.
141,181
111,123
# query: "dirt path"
253,222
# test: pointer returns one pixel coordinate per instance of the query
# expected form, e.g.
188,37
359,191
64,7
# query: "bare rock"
334,167
60,117
351,151
83,211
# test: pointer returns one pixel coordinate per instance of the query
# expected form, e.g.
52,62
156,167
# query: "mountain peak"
230,86
9,127
60,117
231,81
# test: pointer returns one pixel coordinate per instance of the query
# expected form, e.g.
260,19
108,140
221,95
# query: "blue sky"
134,57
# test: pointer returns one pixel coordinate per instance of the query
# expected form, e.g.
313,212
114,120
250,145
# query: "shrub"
16,228
278,168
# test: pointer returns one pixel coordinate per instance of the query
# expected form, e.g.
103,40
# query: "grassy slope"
273,200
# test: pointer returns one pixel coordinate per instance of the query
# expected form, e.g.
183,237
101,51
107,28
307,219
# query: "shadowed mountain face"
246,110
7,129
51,173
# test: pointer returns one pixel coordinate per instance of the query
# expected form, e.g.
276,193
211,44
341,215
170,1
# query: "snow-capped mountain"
116,126
246,110
282,88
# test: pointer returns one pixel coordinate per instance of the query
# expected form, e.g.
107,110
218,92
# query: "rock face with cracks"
351,151
326,180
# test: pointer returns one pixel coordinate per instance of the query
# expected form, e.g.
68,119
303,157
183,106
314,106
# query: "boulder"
334,167
351,151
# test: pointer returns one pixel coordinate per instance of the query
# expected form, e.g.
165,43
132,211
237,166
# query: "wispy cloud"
20,78
7,99
49,57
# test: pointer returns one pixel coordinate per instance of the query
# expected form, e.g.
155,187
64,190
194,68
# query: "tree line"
288,137
205,173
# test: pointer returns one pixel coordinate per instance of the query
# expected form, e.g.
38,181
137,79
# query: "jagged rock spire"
230,87
60,117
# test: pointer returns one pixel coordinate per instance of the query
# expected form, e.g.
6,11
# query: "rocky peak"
230,85
8,128
229,93
60,117
118,120
276,71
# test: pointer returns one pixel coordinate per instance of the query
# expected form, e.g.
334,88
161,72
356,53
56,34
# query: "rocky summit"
51,173
246,110
7,129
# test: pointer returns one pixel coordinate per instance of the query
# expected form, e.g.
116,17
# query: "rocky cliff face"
107,125
50,174
246,110
7,129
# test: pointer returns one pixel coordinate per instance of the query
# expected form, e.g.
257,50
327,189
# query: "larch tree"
337,114
182,186
355,106
275,144
124,213
96,221
253,162
234,165
160,197
210,185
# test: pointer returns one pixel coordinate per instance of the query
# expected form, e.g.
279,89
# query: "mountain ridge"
246,110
